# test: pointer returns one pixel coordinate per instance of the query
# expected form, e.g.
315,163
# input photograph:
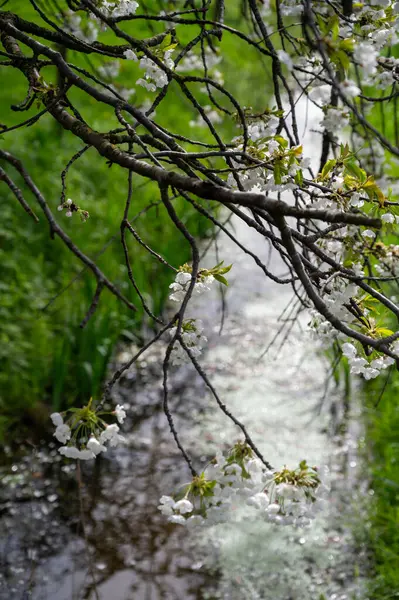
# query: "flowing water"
98,534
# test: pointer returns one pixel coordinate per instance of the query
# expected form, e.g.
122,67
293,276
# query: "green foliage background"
45,358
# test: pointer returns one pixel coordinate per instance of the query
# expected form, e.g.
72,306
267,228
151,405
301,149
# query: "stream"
97,535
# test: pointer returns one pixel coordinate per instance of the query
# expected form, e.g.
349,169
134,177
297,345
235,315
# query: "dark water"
103,538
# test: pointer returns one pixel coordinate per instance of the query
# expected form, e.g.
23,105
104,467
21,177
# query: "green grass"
382,442
382,436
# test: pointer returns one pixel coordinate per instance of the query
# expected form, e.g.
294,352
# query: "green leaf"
282,141
341,59
167,40
353,168
384,331
277,172
347,45
299,178
334,25
330,164
225,269
221,279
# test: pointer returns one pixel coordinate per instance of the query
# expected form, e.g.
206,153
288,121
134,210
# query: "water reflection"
109,540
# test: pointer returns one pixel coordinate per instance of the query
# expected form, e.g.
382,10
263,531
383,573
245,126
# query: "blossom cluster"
71,207
284,165
194,62
154,76
119,8
85,433
360,365
285,497
191,333
360,39
205,279
182,283
88,32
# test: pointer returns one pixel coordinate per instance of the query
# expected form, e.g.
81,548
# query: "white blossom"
349,350
182,283
69,451
56,419
183,506
130,55
335,119
120,8
94,446
349,88
178,519
356,200
166,505
86,455
388,218
62,433
285,58
111,435
273,509
368,233
154,75
120,413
